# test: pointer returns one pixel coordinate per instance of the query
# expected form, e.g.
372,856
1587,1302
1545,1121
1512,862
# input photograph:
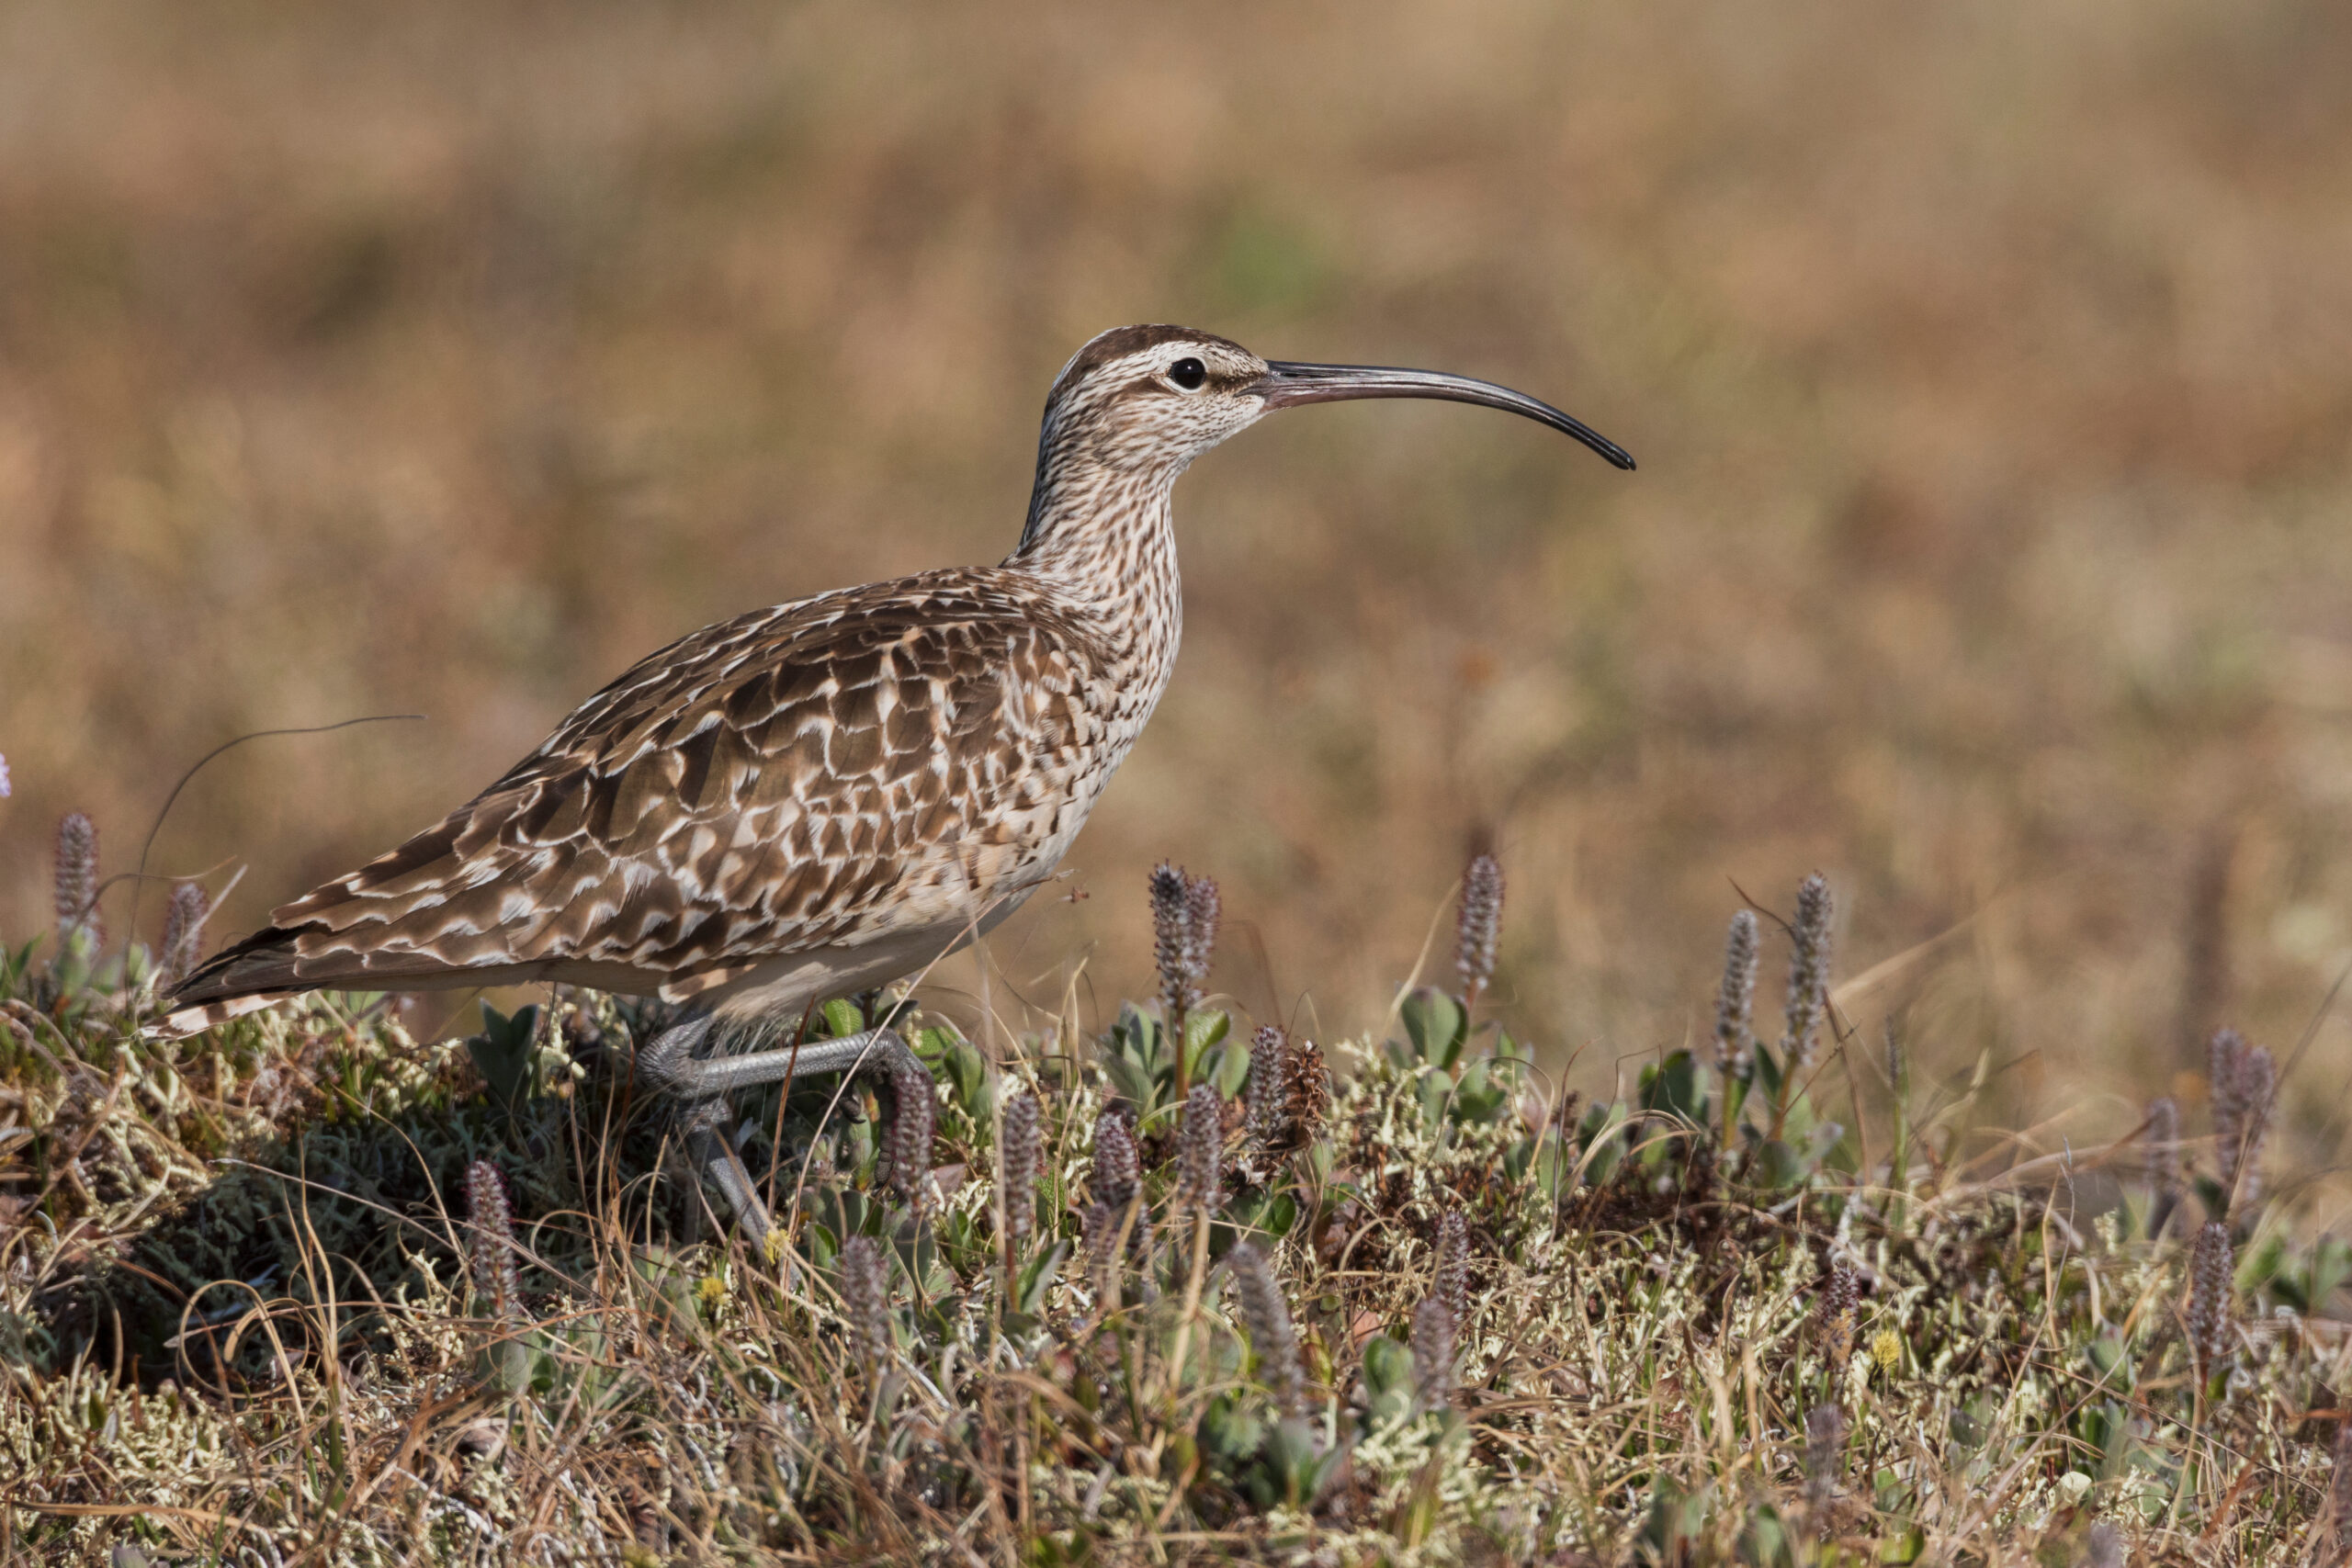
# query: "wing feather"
762,786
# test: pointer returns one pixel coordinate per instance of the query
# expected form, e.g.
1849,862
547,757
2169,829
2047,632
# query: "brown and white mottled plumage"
815,798
832,773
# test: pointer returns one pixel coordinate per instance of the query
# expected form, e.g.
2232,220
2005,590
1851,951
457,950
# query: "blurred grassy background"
1990,368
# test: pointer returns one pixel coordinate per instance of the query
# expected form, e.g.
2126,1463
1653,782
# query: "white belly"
785,988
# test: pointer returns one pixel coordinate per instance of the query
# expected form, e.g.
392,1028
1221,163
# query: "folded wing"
770,785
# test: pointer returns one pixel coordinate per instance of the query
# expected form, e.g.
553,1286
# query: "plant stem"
1192,1301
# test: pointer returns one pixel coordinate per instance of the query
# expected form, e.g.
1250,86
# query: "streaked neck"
1105,538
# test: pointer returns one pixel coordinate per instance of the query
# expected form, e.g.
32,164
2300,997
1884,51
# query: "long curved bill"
1288,383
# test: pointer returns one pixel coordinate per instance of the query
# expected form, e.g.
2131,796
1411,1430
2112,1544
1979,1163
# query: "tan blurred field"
1990,368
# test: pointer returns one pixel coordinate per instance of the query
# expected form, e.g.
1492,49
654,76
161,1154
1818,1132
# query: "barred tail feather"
272,964
262,962
181,1023
243,978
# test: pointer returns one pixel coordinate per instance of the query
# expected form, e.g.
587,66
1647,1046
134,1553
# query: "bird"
817,799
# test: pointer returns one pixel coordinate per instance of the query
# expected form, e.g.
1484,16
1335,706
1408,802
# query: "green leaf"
968,1073
1202,1030
1778,1165
824,1246
1131,1078
1137,1036
1767,1541
1677,1517
842,1018
2112,1363
502,1053
1300,1468
1481,1097
1229,1430
1436,1024
1517,1157
506,1365
918,1250
1601,1140
1548,1161
1676,1086
1435,1092
1387,1365
1231,1072
1735,1094
2307,1283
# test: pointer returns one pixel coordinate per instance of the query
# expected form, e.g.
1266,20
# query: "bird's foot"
709,1127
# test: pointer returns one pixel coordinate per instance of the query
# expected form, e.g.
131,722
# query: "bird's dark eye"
1188,374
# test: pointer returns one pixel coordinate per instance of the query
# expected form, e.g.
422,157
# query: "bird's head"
1151,399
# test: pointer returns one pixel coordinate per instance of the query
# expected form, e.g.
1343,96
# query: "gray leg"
706,1122
672,1068
669,1065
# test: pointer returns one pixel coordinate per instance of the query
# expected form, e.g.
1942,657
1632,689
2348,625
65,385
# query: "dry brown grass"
1989,368
307,1291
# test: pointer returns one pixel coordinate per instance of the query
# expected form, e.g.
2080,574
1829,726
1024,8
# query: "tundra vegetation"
1188,1287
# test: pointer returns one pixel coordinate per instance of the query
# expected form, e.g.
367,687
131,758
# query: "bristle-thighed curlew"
814,800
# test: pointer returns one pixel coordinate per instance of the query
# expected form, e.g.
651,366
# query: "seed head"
1118,1166
1203,908
1735,1000
1307,1093
2222,1082
1433,1330
1454,1264
1825,1447
184,929
1836,1309
77,877
1267,1316
2210,1319
1478,925
865,1293
490,1244
2245,1083
2257,1098
1264,1094
1808,972
2163,1162
1171,939
1198,1145
914,1112
1019,1153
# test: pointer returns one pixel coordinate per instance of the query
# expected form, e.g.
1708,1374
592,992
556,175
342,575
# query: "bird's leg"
707,1124
669,1065
676,1070
665,1063
663,1060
